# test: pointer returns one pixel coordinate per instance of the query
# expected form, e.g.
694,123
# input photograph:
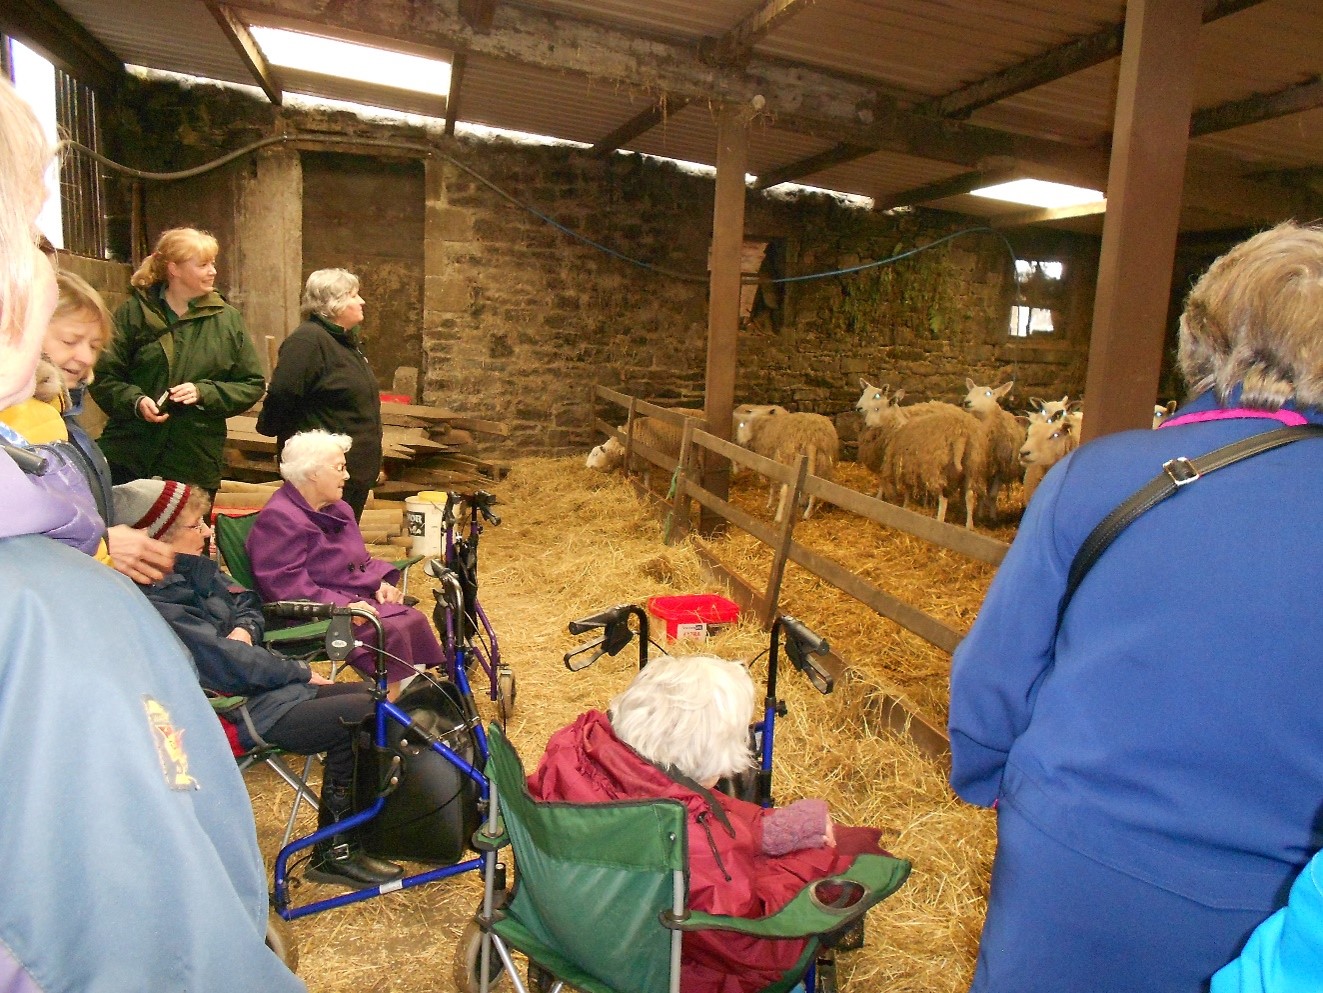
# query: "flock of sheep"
929,453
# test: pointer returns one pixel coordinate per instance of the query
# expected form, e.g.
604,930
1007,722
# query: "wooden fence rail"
685,470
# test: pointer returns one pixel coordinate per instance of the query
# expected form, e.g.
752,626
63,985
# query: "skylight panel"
347,60
1037,193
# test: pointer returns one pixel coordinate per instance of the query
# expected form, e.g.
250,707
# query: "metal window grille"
82,185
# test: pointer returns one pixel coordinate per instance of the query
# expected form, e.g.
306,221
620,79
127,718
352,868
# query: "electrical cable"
432,151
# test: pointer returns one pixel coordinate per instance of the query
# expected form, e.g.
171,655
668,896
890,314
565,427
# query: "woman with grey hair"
681,725
306,545
1152,751
323,380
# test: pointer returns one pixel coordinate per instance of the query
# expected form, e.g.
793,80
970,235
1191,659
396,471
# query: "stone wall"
519,318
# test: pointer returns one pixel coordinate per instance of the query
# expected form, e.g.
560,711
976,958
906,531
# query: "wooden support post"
680,503
629,436
724,296
1149,143
782,550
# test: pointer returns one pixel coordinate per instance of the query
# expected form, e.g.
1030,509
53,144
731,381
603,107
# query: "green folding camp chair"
600,898
301,639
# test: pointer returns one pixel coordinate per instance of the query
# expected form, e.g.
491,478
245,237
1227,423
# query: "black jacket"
202,605
322,380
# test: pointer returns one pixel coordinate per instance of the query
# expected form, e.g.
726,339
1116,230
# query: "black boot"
339,860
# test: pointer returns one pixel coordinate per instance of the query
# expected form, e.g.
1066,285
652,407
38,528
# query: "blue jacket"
203,605
1285,952
1171,730
128,855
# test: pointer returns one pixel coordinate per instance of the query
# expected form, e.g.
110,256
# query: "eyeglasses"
201,527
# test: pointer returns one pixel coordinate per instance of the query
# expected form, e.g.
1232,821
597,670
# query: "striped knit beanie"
150,505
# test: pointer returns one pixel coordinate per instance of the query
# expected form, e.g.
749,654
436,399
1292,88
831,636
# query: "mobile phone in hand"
162,400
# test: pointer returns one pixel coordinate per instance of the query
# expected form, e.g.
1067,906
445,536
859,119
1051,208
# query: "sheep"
1051,411
1004,437
937,455
784,437
651,431
1046,444
874,399
1162,411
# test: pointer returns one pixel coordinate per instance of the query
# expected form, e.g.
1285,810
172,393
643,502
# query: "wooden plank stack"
424,449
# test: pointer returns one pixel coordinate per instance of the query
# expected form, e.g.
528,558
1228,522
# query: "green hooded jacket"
207,346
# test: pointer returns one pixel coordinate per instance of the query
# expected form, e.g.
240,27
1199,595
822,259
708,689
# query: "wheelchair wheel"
281,941
539,979
468,962
506,691
825,973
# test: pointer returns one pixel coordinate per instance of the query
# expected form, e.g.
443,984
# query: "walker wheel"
280,940
468,962
506,691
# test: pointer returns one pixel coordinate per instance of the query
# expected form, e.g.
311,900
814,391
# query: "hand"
240,634
387,593
149,412
831,833
371,608
143,559
185,393
317,679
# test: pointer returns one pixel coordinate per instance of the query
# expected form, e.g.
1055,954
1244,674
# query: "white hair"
690,713
309,451
328,292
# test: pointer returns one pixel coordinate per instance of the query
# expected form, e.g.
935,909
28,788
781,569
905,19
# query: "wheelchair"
600,899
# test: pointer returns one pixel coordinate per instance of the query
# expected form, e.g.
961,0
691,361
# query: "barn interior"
698,203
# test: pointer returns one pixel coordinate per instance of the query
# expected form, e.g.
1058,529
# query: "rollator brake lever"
601,650
605,618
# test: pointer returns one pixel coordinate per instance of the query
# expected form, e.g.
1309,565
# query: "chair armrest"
876,876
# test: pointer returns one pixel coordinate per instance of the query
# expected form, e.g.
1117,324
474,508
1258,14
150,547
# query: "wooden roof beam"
44,27
1056,63
457,66
1040,214
1260,107
807,166
249,51
737,44
478,14
644,120
952,186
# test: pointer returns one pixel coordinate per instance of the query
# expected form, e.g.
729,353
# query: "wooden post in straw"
629,435
679,523
782,550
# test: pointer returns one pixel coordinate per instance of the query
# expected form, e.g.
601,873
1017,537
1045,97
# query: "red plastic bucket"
396,398
694,616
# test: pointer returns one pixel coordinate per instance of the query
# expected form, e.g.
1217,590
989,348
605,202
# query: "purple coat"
298,553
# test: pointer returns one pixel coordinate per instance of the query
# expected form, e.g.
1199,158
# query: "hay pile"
574,541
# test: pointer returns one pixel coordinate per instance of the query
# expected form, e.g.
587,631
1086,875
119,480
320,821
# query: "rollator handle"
612,615
299,610
801,645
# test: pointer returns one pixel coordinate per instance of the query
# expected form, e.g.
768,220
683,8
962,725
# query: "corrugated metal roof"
912,50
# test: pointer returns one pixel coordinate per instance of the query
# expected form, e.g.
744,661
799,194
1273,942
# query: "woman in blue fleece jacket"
1155,761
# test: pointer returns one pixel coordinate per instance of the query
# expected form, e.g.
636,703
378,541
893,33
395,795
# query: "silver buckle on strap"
1181,470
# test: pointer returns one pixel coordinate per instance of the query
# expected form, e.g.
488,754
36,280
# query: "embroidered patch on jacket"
169,741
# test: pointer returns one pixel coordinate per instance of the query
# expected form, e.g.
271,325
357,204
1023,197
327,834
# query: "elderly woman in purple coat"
306,545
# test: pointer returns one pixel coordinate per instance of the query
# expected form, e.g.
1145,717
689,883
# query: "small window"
1038,292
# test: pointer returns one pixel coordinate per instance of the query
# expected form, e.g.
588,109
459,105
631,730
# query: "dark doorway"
365,214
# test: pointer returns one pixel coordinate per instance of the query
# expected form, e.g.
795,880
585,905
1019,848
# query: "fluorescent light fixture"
1036,193
346,60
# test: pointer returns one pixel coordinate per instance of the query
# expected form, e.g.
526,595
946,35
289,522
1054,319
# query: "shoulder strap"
1175,473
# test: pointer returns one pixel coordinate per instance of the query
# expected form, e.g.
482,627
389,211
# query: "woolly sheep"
935,456
1045,445
651,431
874,399
1004,435
783,437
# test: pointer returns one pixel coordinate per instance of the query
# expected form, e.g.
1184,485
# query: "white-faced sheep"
651,431
1162,411
939,456
1004,436
784,437
874,399
1046,444
1051,411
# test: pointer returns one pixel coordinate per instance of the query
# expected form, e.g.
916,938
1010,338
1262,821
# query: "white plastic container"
423,521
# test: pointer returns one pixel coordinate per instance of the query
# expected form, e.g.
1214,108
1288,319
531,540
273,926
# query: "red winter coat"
728,871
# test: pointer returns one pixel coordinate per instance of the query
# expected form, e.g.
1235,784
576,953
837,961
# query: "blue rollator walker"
600,903
419,787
